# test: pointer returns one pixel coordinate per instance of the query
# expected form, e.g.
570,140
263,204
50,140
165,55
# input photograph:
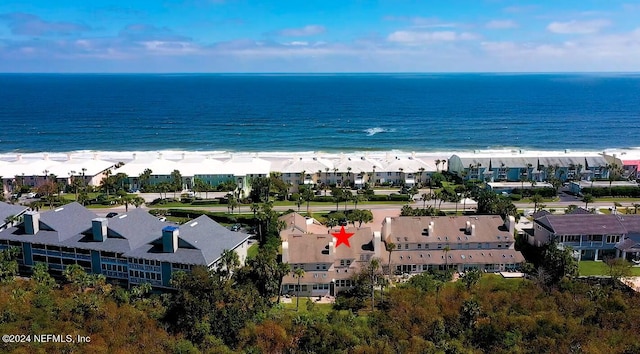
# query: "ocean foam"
376,130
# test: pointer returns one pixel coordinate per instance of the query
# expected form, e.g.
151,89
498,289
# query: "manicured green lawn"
323,308
617,199
600,268
498,282
252,251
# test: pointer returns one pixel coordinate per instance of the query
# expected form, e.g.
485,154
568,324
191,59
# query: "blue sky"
319,36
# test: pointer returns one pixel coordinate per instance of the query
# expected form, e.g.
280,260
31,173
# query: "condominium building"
484,242
131,248
328,268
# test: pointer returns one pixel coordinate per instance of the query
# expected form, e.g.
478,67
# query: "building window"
613,238
406,246
419,246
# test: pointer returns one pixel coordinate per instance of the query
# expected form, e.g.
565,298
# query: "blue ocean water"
359,112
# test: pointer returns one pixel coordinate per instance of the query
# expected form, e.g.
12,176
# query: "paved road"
418,204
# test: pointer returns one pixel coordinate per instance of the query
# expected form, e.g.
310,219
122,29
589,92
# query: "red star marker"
343,237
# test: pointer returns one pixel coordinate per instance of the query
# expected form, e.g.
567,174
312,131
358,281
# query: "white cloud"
417,37
578,27
501,24
297,43
616,52
308,30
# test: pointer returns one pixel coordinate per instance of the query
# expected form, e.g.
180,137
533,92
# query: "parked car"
112,214
235,227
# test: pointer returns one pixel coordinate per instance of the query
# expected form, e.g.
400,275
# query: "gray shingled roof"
124,233
210,237
135,234
137,226
582,224
579,211
68,220
7,210
540,213
629,245
201,241
55,226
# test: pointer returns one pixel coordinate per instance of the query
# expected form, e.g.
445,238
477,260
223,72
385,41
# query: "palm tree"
356,199
456,198
466,194
9,220
587,198
138,201
307,195
374,175
233,203
126,199
347,197
635,207
425,197
389,246
446,250
419,173
373,267
438,165
255,207
614,174
106,181
298,273
536,199
144,179
228,263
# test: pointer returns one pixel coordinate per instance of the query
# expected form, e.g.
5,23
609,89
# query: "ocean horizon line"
302,73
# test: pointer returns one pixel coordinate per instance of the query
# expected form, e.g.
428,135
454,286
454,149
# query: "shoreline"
220,154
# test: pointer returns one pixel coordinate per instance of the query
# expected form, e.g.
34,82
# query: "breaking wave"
376,130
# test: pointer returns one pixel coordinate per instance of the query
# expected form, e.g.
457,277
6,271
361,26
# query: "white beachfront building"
356,170
308,170
531,166
404,170
34,172
160,167
244,168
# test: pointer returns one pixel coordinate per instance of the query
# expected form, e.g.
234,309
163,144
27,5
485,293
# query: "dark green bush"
378,198
398,197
